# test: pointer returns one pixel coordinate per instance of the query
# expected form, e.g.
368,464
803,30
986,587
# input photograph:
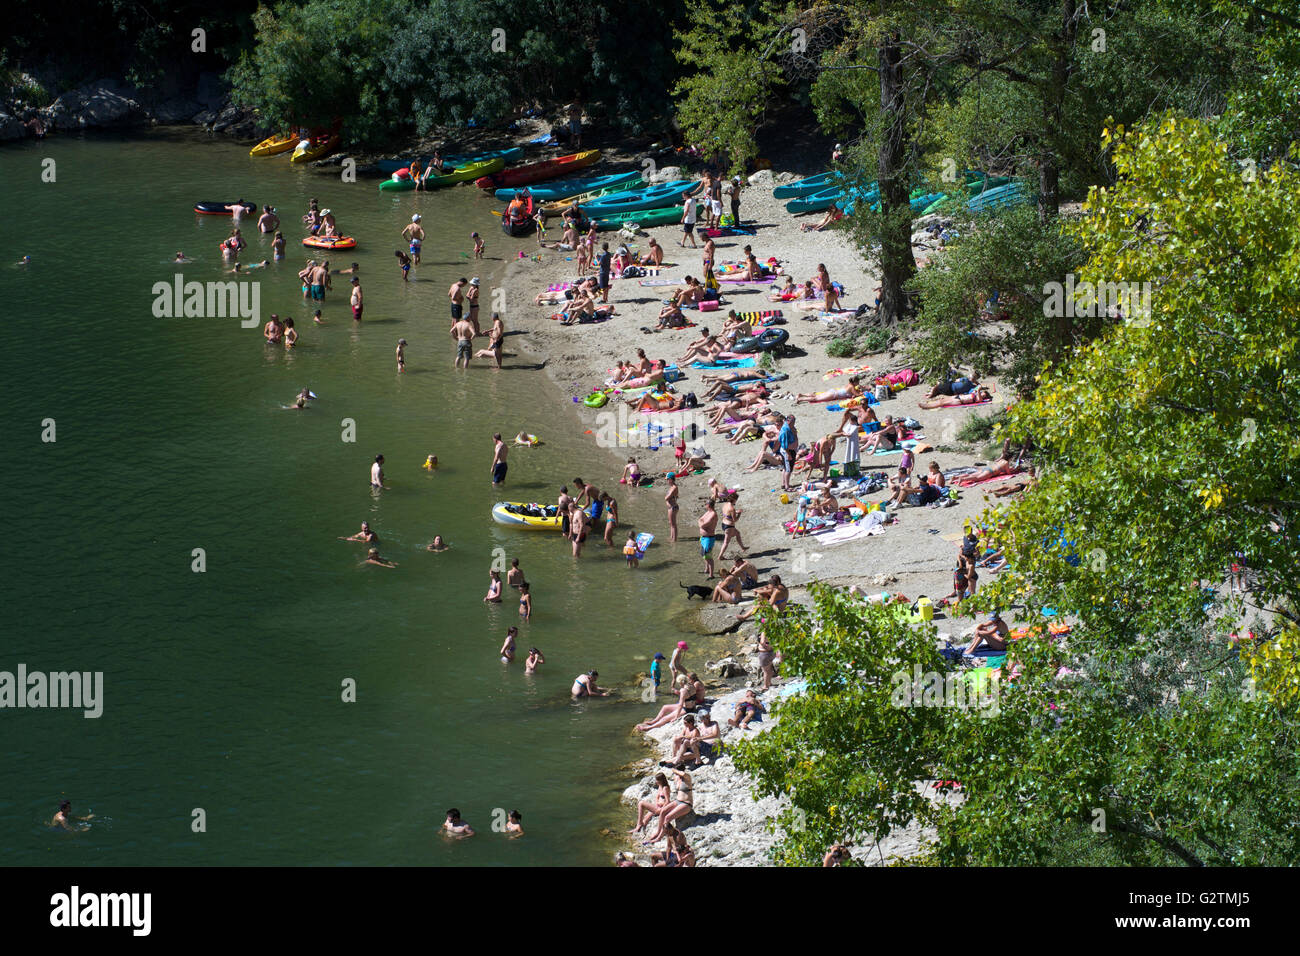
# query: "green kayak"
464,174
643,217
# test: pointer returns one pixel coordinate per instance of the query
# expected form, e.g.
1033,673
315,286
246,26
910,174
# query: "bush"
842,348
875,340
979,428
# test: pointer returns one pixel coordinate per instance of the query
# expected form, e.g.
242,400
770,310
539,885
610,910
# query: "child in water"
513,826
630,550
401,355
478,245
431,463
404,261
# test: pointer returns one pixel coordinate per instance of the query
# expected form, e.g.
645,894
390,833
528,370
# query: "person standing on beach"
463,333
457,298
730,514
499,452
377,473
603,261
787,443
708,524
688,222
670,500
414,234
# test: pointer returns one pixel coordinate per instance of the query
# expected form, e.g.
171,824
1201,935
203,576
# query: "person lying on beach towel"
1017,486
704,352
977,397
670,317
662,403
760,424
1002,466
750,402
959,385
852,390
834,214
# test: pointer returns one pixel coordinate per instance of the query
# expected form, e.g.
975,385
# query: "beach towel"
836,372
908,444
727,363
659,282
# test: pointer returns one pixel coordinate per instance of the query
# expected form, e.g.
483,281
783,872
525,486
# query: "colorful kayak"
277,144
330,242
539,171
557,208
645,217
315,148
462,159
520,515
815,202
805,187
574,186
220,208
975,185
651,197
462,174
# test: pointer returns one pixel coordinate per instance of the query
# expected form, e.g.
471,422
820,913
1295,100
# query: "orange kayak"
538,172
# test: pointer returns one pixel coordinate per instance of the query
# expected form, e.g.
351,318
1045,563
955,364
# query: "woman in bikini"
647,810
683,802
493,595
852,390
670,500
508,648
670,712
525,602
534,658
729,530
766,656
611,518
885,438
977,397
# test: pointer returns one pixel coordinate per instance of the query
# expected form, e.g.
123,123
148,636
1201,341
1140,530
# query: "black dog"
696,590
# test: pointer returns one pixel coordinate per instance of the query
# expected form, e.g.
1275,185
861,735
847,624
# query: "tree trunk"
1049,170
896,261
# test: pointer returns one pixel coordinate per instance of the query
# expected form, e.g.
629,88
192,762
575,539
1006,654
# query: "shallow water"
223,688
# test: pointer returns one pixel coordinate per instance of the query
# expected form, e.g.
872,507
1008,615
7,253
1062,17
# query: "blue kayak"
390,166
815,202
804,187
652,197
999,197
573,186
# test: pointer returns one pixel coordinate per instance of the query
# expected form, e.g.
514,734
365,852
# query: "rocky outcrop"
179,110
11,127
95,105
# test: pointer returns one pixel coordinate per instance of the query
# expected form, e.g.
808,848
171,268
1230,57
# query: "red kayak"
538,172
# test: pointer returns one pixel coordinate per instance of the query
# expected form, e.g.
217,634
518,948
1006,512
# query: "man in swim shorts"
377,472
498,461
414,233
708,524
463,332
457,298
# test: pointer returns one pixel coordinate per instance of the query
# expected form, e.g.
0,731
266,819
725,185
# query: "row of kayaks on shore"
820,192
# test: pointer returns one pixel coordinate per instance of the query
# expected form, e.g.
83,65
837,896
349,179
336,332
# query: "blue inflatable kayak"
390,166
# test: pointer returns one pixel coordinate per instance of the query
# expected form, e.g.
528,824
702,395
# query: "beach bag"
709,305
883,392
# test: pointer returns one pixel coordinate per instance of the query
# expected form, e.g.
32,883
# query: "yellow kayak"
520,515
275,145
315,148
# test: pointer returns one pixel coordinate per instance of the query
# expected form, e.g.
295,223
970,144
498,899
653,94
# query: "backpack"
691,400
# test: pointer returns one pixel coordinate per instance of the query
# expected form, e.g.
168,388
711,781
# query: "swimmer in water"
455,826
438,544
508,648
523,438
353,270
64,817
366,534
372,557
290,334
306,394
431,463
534,658
515,576
493,595
513,826
401,355
241,268
317,319
277,246
180,257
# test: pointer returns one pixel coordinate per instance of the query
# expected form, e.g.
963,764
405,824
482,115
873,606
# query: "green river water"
222,689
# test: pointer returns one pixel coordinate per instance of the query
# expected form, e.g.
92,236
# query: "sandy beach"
914,554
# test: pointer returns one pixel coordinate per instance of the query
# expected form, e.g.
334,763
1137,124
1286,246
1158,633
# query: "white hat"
325,212
474,281
415,218
839,145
